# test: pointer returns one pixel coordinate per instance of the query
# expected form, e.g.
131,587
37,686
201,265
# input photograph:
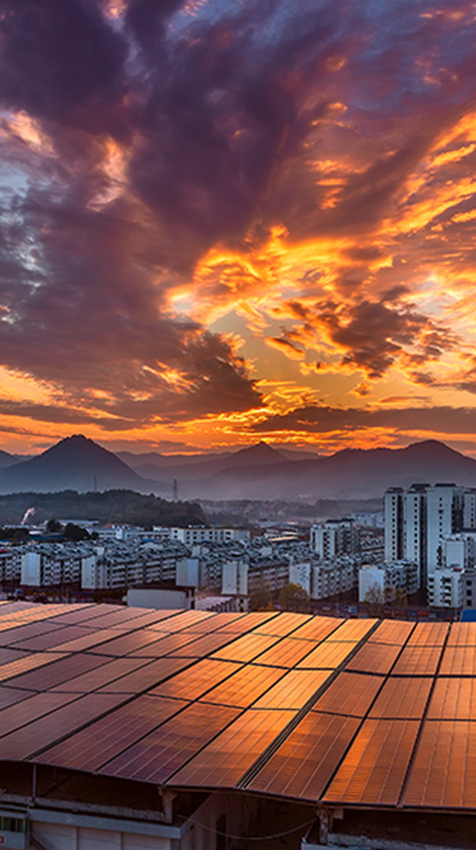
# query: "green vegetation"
293,597
119,506
377,600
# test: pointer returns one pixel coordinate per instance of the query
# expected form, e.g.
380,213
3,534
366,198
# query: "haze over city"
228,222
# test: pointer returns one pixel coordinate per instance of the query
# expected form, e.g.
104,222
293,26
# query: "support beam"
167,798
325,824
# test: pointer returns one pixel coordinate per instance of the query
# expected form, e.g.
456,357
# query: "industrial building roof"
344,712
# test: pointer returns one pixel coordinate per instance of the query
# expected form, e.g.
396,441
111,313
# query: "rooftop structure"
137,718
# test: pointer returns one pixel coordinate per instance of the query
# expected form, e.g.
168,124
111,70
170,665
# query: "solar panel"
128,643
327,655
283,625
225,620
204,645
9,696
429,634
317,628
31,662
458,661
462,634
374,769
24,712
419,660
164,751
100,676
90,640
201,677
59,671
49,639
453,699
250,622
353,630
294,690
393,632
43,732
231,754
167,644
30,630
349,694
244,687
304,763
374,658
287,653
402,698
246,648
7,655
444,770
106,738
146,677
182,619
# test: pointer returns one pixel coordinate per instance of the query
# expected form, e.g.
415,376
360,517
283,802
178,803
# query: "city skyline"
227,222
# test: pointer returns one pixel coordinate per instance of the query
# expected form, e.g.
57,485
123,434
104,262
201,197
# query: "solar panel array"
341,712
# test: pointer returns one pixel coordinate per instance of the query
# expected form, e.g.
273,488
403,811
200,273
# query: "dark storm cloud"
320,419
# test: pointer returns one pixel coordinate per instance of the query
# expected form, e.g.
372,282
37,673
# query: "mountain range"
258,472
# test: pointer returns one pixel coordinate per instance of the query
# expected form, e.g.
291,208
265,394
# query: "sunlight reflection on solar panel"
49,639
59,671
374,658
17,669
226,759
182,620
418,660
245,686
106,738
374,769
95,641
101,676
428,634
458,661
225,619
197,680
204,645
246,648
8,654
462,634
146,677
251,622
327,655
444,770
393,632
453,699
27,631
402,699
164,751
304,763
287,653
317,628
353,630
350,694
30,709
129,643
294,689
167,644
44,731
284,624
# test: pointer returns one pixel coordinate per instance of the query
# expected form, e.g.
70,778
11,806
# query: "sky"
223,221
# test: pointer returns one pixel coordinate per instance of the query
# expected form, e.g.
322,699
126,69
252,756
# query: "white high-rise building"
444,517
335,537
393,518
414,527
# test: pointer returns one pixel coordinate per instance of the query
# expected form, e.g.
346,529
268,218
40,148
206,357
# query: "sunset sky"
231,220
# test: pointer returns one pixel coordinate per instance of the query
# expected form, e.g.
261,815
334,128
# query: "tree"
54,527
293,597
75,533
377,599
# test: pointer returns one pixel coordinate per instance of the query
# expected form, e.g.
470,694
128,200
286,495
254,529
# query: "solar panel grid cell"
204,645
182,620
462,634
250,623
453,699
445,766
317,628
100,676
197,680
159,755
49,639
246,648
458,661
283,625
9,696
60,670
104,739
374,769
7,655
374,658
305,762
128,643
226,759
18,669
16,716
15,635
90,639
287,653
349,694
167,644
402,698
429,634
418,660
217,621
353,630
392,632
328,655
44,731
294,690
244,687
146,677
